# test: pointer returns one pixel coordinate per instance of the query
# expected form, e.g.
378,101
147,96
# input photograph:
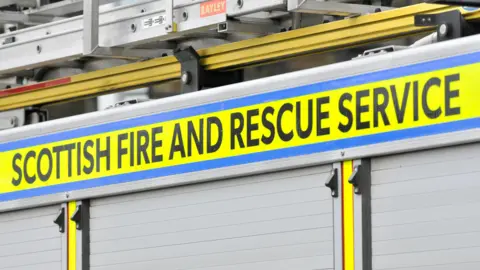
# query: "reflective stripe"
348,221
71,237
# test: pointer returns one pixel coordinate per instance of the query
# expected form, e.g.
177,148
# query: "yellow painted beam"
348,220
71,237
320,38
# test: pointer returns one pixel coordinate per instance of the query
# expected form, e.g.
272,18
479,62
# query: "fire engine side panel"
425,209
384,68
281,220
29,240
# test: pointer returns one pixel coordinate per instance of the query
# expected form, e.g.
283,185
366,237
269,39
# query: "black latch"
332,182
60,220
354,179
77,217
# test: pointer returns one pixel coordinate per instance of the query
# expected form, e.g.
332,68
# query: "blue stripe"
250,100
249,158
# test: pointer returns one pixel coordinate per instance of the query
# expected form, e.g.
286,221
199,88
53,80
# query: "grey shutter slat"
425,209
256,222
30,240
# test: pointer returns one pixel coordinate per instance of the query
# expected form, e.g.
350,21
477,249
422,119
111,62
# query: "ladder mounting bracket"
195,78
450,24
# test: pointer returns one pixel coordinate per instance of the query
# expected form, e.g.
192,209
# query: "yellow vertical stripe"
72,235
348,236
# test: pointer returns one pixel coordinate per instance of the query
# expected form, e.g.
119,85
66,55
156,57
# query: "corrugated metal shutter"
29,240
425,210
272,221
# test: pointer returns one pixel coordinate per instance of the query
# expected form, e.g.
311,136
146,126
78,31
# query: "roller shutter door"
425,210
275,221
29,240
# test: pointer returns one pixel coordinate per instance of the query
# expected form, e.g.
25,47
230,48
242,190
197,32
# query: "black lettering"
449,94
46,176
192,135
57,150
156,143
281,133
132,149
252,127
121,150
400,109
17,169
88,156
69,148
103,153
177,147
432,114
361,109
380,108
213,147
321,115
345,112
236,131
29,178
415,100
142,145
79,158
268,125
304,133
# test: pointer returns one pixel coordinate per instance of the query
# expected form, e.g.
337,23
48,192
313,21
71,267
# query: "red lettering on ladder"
213,7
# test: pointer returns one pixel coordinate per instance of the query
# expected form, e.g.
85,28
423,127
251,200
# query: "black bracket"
332,182
450,24
42,114
354,179
9,40
60,220
77,217
195,78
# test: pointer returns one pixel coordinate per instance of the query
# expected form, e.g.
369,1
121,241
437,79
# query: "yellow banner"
442,96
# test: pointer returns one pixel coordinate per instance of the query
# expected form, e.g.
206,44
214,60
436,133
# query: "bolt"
47,33
378,10
133,27
13,121
186,77
443,30
334,193
342,153
168,27
39,49
184,15
143,10
67,195
240,3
